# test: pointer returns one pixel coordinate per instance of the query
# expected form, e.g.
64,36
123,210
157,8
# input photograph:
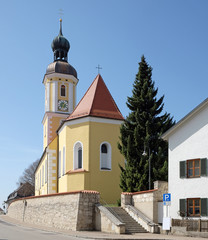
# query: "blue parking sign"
166,197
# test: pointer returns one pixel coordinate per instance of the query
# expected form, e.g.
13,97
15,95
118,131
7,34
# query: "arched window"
63,91
105,156
59,165
78,155
64,162
104,148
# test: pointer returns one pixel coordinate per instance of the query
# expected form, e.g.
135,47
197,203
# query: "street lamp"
145,154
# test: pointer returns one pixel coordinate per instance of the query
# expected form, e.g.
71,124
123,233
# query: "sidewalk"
96,234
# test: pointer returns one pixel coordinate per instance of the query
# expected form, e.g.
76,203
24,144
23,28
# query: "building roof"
97,102
189,116
24,190
60,47
61,67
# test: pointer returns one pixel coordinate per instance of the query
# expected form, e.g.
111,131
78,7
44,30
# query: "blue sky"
172,34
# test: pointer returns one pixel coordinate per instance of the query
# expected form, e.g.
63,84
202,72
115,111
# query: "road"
10,231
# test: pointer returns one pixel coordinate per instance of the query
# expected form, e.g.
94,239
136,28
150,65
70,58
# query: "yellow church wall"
51,97
77,133
62,184
91,177
74,96
72,182
52,161
105,181
54,87
70,135
47,183
40,183
66,90
54,123
62,180
76,181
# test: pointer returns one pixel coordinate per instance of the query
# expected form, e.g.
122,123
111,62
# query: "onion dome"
60,46
61,67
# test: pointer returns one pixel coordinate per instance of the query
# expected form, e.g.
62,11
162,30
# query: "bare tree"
29,174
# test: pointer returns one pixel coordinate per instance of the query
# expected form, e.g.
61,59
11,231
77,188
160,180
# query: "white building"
187,173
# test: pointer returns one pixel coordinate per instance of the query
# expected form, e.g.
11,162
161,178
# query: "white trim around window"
105,156
78,155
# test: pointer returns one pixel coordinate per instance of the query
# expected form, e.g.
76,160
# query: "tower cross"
61,12
98,67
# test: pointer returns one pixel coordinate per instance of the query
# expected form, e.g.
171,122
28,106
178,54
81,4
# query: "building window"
42,175
59,165
64,162
40,180
104,149
105,156
36,183
78,155
193,207
63,91
46,170
193,168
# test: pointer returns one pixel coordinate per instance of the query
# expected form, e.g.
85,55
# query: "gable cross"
98,67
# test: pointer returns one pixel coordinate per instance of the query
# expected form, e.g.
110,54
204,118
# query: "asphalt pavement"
12,229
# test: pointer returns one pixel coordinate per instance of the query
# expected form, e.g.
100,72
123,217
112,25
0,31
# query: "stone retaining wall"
105,221
146,201
71,211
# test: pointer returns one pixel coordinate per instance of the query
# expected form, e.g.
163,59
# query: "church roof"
97,102
61,67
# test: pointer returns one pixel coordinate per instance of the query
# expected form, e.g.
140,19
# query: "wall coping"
58,194
141,192
76,171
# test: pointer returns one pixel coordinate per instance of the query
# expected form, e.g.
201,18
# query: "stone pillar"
126,199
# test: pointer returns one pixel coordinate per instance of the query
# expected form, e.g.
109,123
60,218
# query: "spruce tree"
141,132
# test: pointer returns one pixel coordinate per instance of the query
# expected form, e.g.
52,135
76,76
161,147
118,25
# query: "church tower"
60,83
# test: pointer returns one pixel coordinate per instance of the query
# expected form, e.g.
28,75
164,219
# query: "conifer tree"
141,132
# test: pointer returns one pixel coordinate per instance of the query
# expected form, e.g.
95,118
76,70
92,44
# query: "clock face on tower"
63,105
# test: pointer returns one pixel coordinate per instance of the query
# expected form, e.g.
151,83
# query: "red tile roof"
97,102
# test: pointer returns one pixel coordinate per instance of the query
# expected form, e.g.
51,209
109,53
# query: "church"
79,141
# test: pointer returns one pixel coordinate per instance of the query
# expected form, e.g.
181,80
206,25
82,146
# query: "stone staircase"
131,225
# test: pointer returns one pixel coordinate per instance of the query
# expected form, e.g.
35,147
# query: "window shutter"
203,166
182,207
182,169
204,207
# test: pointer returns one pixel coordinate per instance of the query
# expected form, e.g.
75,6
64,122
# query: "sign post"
166,211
